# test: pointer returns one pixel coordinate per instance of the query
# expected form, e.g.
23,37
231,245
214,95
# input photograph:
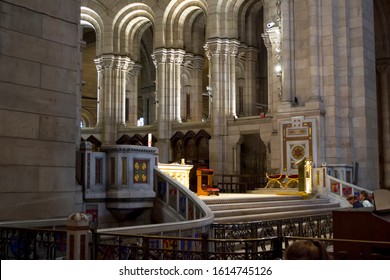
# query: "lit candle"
150,140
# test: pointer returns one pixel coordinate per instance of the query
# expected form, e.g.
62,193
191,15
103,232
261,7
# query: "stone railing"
339,190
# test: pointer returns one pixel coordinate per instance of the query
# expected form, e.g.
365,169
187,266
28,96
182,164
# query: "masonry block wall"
39,85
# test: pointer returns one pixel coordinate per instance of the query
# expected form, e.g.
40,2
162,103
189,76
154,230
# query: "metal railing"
32,244
260,240
137,247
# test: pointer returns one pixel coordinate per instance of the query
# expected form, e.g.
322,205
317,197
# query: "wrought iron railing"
260,240
245,241
118,247
32,244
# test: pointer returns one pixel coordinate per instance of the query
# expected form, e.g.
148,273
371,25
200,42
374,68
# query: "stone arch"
128,26
88,118
248,17
93,29
92,18
174,19
227,13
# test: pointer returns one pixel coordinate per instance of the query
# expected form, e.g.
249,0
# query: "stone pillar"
222,62
99,105
160,58
77,239
250,98
178,56
112,80
364,136
272,39
126,65
232,51
196,95
287,50
314,55
383,70
105,64
215,89
221,54
133,76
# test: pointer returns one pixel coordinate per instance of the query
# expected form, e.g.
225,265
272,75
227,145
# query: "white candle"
150,140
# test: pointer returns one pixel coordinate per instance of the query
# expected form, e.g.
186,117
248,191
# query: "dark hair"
365,195
306,250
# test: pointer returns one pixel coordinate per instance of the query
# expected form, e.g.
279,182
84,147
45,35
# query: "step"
273,216
274,209
269,205
224,198
261,204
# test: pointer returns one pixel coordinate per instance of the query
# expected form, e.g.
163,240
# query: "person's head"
351,199
364,195
306,250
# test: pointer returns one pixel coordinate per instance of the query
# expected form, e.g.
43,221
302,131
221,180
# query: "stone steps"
255,208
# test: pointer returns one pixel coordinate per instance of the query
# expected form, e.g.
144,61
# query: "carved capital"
104,62
159,57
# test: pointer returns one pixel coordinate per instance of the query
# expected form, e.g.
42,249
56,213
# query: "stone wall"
39,85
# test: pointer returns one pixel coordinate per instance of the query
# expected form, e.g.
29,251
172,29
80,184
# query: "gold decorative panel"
141,171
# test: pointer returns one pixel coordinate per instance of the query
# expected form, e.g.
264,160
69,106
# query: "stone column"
221,54
106,63
196,95
250,98
383,70
125,67
314,50
272,39
160,58
99,105
178,56
133,76
286,50
232,50
112,72
77,239
215,90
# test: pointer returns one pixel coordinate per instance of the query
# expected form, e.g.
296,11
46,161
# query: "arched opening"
89,100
